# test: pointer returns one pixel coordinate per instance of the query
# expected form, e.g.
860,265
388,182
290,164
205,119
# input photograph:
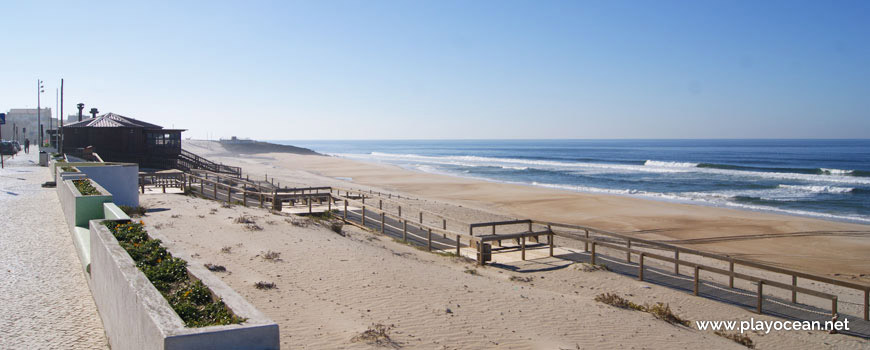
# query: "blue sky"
451,69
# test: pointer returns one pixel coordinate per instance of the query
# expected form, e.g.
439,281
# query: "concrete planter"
79,209
137,316
60,174
122,179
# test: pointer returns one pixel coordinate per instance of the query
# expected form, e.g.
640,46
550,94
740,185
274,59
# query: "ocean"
827,179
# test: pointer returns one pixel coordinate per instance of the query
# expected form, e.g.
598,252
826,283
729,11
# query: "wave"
662,164
818,189
711,198
826,171
649,166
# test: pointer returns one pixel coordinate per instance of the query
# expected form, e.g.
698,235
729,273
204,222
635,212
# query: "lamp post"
39,92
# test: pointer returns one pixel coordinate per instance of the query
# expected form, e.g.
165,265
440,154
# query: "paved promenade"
46,303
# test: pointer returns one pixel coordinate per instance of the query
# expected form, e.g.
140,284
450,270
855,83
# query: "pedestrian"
26,146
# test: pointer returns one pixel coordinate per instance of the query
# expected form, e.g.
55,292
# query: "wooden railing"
188,161
162,180
600,238
732,262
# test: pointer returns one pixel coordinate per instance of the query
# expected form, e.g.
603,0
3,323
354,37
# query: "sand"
331,287
834,249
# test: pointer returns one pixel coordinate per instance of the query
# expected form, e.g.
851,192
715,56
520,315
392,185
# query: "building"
121,139
237,141
25,120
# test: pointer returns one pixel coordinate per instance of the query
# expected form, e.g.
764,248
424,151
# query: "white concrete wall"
136,316
122,180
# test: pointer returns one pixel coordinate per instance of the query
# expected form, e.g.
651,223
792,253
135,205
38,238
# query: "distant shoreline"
254,147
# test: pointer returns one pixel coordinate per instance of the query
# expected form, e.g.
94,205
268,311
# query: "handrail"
381,197
725,258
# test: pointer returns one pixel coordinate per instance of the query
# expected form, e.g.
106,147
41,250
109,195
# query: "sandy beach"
331,287
829,248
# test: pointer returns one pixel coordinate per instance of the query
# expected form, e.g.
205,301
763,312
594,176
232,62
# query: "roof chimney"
94,112
81,106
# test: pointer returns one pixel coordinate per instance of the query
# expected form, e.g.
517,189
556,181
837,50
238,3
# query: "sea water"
818,178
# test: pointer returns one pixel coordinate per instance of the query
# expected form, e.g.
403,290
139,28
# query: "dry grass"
585,267
738,338
472,272
377,335
272,256
265,285
216,268
521,279
227,249
659,310
244,219
618,301
663,312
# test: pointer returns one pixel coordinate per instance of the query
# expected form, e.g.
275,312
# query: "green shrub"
86,188
69,169
133,211
190,299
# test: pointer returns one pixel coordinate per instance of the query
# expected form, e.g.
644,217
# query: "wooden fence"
732,262
481,242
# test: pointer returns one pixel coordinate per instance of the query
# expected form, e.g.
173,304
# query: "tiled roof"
112,120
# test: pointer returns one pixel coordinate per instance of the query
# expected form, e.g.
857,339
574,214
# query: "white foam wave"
708,198
840,172
580,168
662,164
818,189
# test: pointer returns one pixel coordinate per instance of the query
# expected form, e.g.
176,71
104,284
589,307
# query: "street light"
39,92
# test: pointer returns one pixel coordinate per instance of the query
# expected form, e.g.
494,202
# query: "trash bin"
43,158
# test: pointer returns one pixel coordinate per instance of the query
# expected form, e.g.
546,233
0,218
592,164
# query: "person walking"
26,146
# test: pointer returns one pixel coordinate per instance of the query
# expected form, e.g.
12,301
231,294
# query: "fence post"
400,211
380,204
245,198
867,304
676,262
405,231
523,248
201,189
345,210
421,217
261,199
229,195
697,277
731,276
586,243
363,216
329,204
382,222
214,190
429,241
628,252
458,253
793,289
309,205
834,306
760,295
550,239
592,255
480,253
640,267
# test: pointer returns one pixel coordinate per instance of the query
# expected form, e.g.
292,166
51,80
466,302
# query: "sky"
288,70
